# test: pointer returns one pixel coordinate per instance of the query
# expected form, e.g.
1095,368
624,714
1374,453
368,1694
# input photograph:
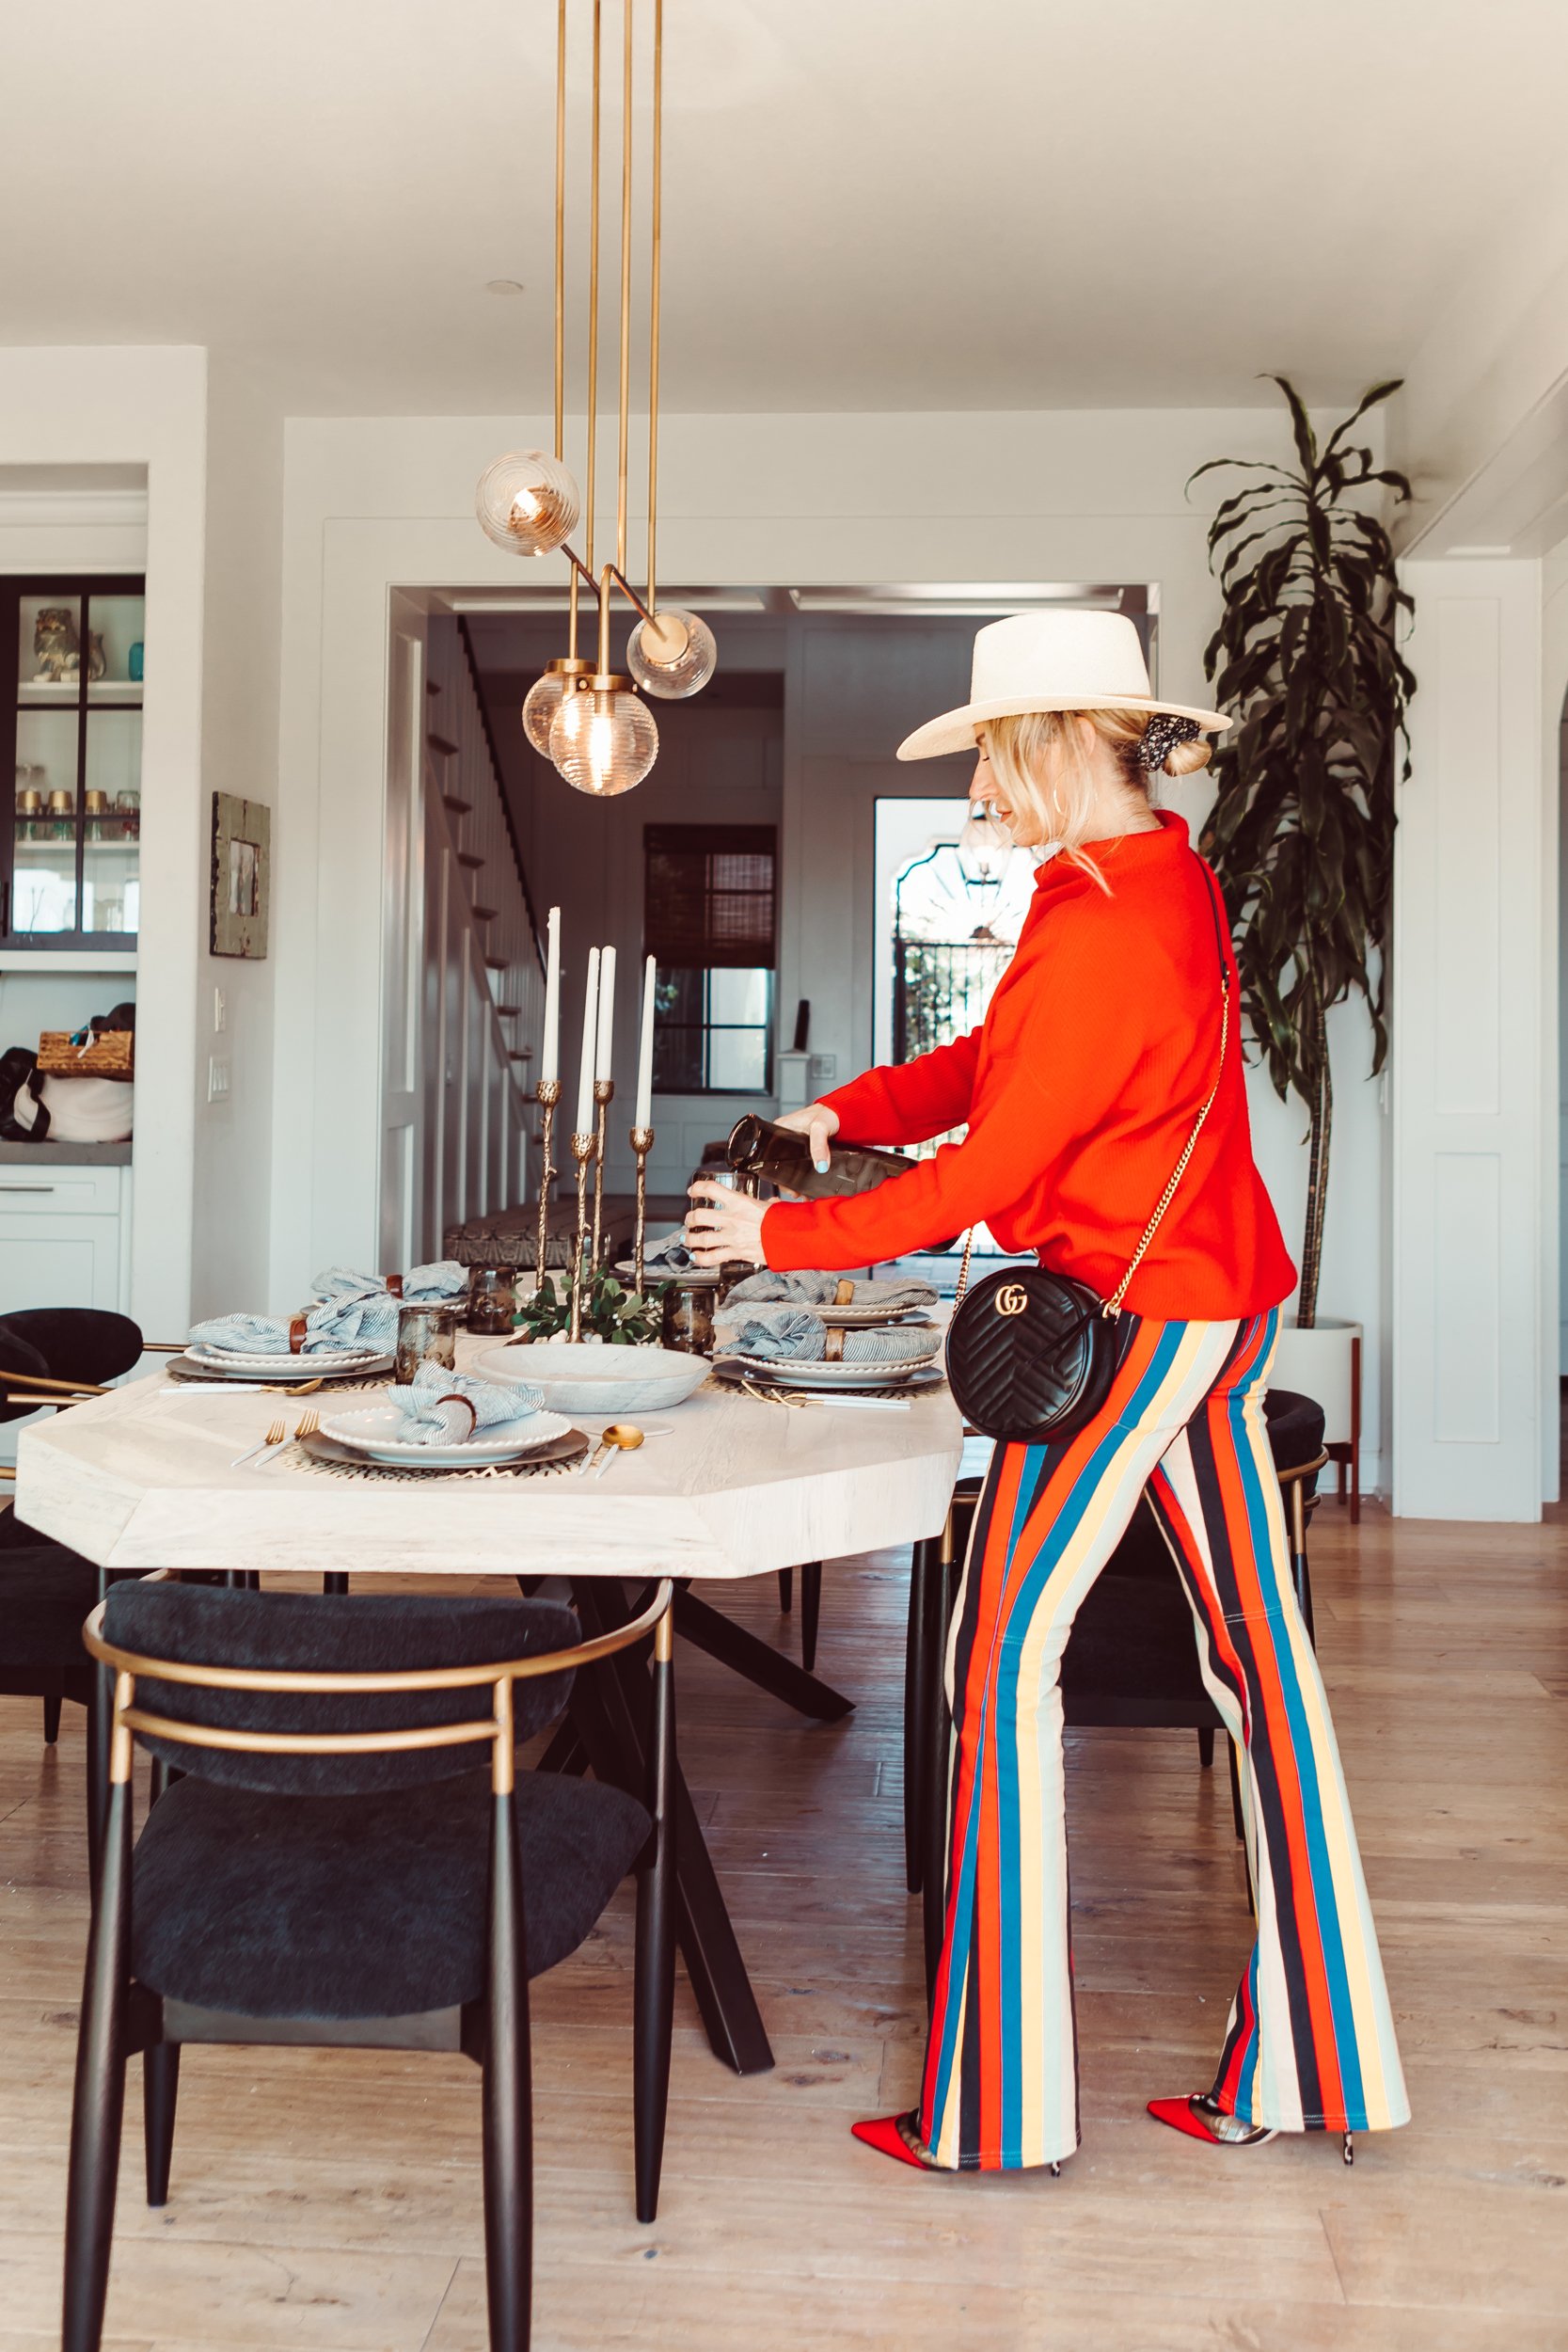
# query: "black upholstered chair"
323,1864
51,1356
1131,1660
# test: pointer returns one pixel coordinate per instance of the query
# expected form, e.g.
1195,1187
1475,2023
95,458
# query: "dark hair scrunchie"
1160,736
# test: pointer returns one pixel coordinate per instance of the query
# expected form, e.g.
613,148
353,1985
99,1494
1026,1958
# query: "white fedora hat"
1060,660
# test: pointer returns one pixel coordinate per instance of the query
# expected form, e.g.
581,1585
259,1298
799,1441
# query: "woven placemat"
325,1458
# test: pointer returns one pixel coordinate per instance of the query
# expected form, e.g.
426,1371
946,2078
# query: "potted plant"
1302,829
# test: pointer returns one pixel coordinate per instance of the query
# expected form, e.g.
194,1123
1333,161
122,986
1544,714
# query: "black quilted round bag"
1031,1355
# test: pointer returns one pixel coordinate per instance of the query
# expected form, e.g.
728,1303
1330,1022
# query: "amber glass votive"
426,1335
687,1323
492,1298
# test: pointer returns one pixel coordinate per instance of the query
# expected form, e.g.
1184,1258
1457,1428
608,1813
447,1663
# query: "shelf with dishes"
70,857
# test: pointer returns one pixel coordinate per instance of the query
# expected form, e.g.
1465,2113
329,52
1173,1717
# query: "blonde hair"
1042,765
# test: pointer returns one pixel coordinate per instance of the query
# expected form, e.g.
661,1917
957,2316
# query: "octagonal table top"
141,1479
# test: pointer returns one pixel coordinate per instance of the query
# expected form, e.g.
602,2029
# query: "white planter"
1324,1363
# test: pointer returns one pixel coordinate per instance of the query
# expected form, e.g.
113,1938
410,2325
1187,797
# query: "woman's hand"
816,1122
725,1225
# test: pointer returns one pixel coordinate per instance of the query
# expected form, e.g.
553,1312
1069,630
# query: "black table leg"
611,1711
811,1610
707,1628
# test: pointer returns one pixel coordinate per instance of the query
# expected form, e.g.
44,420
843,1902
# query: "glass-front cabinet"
70,687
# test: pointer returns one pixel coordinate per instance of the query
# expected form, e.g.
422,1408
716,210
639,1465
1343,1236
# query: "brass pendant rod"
580,571
593,289
560,229
561,283
654,291
623,423
605,578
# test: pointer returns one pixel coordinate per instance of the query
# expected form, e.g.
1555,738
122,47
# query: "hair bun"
1184,760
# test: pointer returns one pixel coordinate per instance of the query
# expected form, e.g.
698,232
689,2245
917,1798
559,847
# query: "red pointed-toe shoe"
895,2136
1201,2119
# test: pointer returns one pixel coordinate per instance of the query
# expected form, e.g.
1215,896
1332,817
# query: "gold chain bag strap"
1031,1355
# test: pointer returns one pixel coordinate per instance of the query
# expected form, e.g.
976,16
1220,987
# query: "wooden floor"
323,2202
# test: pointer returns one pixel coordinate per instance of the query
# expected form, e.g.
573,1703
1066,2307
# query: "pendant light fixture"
583,716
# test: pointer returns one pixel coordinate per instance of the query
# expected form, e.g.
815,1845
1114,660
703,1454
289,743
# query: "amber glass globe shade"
527,503
672,655
603,740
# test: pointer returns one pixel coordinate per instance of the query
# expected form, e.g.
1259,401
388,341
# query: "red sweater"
1079,1090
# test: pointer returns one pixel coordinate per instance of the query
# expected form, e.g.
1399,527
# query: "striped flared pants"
1310,2041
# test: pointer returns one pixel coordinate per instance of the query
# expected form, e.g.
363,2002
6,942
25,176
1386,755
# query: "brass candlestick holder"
546,1095
582,1152
642,1143
604,1091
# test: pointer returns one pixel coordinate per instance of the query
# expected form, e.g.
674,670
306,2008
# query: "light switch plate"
824,1070
217,1078
220,1013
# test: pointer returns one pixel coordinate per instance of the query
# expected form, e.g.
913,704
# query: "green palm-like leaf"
1302,829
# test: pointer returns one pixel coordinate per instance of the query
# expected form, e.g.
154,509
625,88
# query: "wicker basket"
107,1054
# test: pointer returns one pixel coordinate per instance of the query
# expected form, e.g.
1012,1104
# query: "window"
710,920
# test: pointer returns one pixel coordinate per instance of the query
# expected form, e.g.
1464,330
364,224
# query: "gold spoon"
625,1436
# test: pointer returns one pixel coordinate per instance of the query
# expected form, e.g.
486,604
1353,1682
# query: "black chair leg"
923,1570
98,2105
811,1610
159,2090
1205,1745
335,1581
52,1700
938,1752
508,2120
1236,1813
99,1724
656,1943
786,1590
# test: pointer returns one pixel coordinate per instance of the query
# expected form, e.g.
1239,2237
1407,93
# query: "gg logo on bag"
1011,1299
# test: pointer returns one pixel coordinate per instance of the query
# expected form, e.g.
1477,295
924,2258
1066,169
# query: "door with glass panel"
71,664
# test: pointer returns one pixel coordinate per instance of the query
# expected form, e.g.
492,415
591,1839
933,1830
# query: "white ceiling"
870,203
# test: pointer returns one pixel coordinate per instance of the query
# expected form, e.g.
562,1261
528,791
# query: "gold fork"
274,1435
307,1426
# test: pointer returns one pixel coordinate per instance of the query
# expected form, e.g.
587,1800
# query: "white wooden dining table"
725,1486
141,1478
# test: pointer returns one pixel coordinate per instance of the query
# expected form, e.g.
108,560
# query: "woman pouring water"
1102,1052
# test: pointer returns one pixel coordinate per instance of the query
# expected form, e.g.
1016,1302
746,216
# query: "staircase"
483,1007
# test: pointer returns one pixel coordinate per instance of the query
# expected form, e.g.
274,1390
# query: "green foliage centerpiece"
610,1312
1301,831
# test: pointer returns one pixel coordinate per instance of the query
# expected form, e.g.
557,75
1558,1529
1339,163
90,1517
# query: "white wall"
371,504
232,1134
146,409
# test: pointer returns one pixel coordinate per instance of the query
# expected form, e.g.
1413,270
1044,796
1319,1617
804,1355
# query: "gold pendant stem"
654,289
642,1143
623,421
604,1091
546,1095
582,1152
560,229
593,290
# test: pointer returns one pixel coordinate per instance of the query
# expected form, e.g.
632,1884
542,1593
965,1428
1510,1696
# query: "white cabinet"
60,1236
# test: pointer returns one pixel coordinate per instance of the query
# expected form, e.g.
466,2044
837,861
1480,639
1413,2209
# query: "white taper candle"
607,1015
549,1057
643,1116
590,1030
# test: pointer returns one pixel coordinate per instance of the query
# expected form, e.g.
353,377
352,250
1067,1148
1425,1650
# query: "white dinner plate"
866,1318
866,1379
796,1375
373,1432
291,1371
254,1360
